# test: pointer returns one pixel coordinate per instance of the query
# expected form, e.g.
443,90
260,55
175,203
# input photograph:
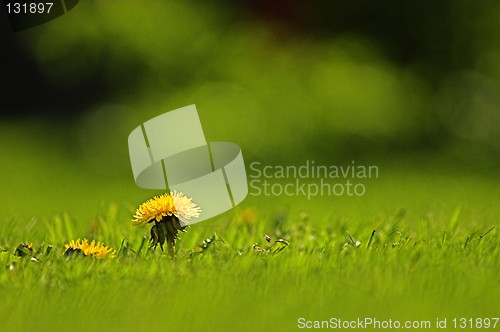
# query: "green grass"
434,254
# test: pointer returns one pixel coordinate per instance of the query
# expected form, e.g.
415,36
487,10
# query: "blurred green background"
412,87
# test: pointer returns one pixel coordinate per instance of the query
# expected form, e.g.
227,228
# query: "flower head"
170,213
98,250
168,204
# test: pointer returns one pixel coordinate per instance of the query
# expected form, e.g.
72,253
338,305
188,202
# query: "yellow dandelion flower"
170,213
94,249
168,204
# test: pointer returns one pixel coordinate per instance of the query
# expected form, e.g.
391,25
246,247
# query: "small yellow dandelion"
170,213
94,249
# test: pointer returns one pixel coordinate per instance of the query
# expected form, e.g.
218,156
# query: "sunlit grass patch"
260,260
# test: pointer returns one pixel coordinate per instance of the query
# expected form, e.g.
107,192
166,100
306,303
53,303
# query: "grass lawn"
434,255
